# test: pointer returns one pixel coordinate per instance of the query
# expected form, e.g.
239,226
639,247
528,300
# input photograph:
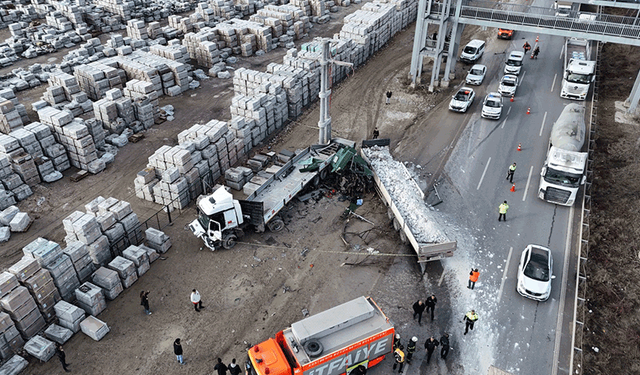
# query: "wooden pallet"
135,138
78,175
27,228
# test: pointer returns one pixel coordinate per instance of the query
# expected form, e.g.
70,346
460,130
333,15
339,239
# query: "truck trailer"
563,170
222,218
332,342
579,71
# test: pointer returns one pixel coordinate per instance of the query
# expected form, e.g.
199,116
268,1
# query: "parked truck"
222,219
579,71
564,169
332,342
426,252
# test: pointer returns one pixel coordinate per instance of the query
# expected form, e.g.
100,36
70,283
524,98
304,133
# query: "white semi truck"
579,71
564,170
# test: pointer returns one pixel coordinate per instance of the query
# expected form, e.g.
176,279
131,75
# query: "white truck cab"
218,213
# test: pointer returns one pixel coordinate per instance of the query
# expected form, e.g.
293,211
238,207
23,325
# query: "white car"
535,273
492,106
476,74
462,100
513,65
508,85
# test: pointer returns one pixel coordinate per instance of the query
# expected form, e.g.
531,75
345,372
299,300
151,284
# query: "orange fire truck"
332,342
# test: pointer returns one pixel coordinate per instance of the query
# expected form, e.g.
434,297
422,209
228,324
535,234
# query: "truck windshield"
554,176
204,221
470,50
514,62
579,78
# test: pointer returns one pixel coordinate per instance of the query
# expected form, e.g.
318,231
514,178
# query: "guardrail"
579,308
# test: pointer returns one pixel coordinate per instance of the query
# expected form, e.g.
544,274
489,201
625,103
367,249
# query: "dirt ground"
612,325
263,284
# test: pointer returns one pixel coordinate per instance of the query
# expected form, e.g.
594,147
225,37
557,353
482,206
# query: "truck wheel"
324,173
390,213
316,180
276,225
313,348
396,224
403,236
229,241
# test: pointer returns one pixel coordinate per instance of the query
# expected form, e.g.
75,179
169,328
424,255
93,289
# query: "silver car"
476,74
508,85
535,273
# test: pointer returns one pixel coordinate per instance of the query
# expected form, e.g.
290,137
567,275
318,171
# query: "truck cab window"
218,218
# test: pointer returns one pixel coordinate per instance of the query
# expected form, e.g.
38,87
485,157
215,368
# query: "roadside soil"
263,284
612,323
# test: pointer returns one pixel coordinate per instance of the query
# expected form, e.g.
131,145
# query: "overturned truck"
411,216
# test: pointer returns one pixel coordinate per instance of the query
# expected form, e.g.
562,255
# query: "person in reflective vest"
470,318
396,341
473,277
398,355
510,172
502,210
411,348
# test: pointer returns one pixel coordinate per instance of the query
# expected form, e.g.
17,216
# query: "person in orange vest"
473,277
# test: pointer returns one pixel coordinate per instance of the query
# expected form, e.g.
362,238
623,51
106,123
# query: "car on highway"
508,85
476,75
505,33
492,106
473,51
462,100
535,273
513,65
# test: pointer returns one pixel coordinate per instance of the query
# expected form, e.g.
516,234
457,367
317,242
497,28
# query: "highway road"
513,333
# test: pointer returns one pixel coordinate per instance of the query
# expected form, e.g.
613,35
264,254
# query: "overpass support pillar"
452,55
419,41
634,97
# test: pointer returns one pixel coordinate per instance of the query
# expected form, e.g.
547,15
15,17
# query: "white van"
473,51
513,65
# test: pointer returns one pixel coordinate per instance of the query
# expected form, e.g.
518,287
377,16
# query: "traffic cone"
513,188
519,146
512,98
528,111
537,38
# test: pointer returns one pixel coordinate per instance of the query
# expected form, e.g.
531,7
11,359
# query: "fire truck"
332,342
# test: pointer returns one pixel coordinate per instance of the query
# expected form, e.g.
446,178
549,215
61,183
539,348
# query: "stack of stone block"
136,29
15,187
9,117
72,12
172,52
122,8
58,334
20,306
60,22
203,47
10,337
39,283
154,30
224,9
139,257
295,23
51,149
50,256
68,84
31,145
126,269
54,95
97,78
237,177
82,262
16,363
172,189
207,13
69,316
40,348
145,101
157,240
109,281
10,95
116,219
24,165
90,297
304,5
180,23
81,227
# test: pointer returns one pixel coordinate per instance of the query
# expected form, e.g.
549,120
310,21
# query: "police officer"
444,341
418,309
398,356
431,304
430,345
502,210
471,317
376,133
411,348
510,172
396,341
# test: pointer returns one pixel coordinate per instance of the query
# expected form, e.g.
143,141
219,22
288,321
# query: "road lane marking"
553,84
526,188
544,118
522,78
441,278
561,52
508,111
504,275
483,173
505,120
563,293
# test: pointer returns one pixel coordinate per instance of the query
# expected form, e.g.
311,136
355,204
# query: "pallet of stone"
158,240
82,262
24,165
8,282
44,251
94,328
126,270
100,252
31,324
18,303
69,316
90,297
40,348
10,339
139,257
61,265
7,214
25,268
109,281
67,283
20,223
58,334
14,365
152,254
